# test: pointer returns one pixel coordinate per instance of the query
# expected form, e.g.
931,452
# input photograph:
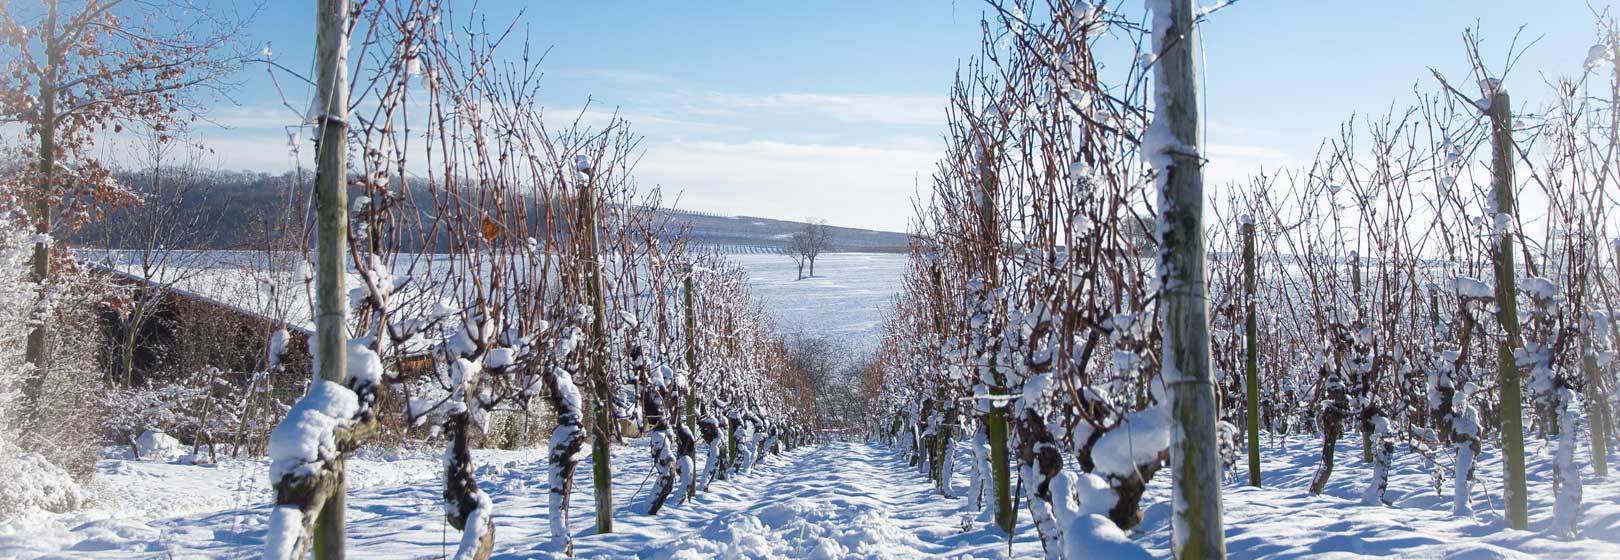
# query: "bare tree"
148,242
821,360
79,69
809,242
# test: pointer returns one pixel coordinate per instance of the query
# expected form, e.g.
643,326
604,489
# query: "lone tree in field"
809,242
79,70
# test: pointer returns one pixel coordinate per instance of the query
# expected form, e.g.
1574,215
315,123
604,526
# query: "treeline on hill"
234,209
1391,289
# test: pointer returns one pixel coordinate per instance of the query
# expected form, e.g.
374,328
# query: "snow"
1597,56
1471,288
840,500
158,446
859,286
306,435
31,486
1142,436
282,531
1539,288
1501,224
277,349
477,524
364,366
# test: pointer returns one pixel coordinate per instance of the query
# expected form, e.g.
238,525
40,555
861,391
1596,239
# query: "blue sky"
835,109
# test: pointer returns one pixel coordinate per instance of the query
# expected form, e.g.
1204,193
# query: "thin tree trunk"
566,441
664,462
1507,303
995,419
462,497
1195,457
36,353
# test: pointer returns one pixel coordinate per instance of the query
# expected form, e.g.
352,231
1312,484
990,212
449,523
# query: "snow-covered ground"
839,500
1282,520
844,301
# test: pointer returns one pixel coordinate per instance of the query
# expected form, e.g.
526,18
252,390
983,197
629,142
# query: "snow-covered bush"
29,483
50,443
155,445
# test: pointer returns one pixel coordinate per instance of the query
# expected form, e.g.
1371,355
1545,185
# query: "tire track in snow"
842,500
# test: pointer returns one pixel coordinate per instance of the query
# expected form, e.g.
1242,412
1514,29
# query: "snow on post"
1170,146
568,440
306,451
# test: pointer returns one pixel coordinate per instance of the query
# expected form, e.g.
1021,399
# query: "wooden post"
1507,304
942,434
331,232
1361,376
995,422
691,369
1251,363
1594,411
691,350
1194,457
601,450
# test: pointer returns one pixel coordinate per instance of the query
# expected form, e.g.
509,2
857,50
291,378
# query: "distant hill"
748,234
237,208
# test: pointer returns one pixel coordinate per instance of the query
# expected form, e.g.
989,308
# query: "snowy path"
839,500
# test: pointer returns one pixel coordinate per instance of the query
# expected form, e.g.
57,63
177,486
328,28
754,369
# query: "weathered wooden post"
1594,410
942,433
1361,375
601,450
1194,456
1251,363
995,421
331,232
1507,305
691,368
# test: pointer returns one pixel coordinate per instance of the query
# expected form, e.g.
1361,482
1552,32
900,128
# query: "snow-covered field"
834,501
844,301
839,500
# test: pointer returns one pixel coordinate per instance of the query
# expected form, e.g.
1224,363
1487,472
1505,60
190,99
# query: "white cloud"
641,122
862,186
1236,163
620,76
253,117
924,110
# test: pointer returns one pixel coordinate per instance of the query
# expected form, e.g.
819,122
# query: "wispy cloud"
850,108
618,76
1231,164
641,121
860,185
253,116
